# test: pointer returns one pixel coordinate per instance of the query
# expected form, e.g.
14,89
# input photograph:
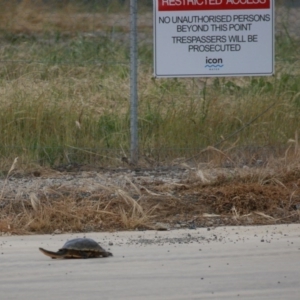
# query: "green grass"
65,98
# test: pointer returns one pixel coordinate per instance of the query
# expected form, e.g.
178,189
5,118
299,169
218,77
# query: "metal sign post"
133,83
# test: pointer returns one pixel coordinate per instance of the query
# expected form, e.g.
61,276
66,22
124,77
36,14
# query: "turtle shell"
83,244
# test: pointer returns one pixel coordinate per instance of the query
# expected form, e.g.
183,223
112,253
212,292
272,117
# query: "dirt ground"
86,198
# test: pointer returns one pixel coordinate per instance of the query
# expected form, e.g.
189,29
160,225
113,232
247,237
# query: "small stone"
162,226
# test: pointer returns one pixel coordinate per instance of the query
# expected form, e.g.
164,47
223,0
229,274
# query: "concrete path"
223,263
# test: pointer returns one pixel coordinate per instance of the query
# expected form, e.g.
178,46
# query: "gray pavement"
223,263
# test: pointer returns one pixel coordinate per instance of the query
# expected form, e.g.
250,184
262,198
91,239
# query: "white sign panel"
213,38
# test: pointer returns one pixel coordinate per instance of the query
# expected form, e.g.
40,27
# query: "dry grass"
218,196
38,17
65,93
13,166
69,212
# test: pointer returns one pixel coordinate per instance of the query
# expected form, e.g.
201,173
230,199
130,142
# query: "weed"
65,64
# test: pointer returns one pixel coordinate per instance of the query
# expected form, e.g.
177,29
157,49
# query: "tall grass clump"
64,83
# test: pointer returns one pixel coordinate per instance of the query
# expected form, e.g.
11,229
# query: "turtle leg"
106,254
59,254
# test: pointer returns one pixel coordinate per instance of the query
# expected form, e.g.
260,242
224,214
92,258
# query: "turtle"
78,248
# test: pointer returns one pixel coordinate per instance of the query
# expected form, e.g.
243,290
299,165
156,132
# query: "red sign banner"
190,5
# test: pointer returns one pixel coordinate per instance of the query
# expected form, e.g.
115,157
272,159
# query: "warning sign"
213,38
